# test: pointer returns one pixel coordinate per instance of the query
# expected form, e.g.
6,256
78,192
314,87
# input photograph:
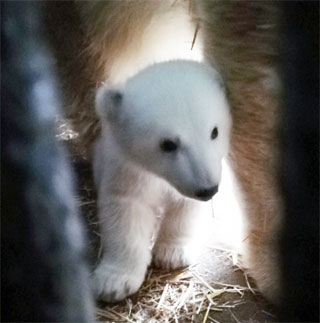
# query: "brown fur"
94,39
241,39
93,42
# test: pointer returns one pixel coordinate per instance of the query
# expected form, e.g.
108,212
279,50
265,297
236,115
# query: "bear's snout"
206,194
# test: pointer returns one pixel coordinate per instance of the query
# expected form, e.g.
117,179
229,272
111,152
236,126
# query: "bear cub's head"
173,120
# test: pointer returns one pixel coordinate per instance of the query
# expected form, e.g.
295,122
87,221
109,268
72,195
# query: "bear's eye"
168,146
214,133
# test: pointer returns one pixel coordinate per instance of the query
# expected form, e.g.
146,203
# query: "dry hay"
188,295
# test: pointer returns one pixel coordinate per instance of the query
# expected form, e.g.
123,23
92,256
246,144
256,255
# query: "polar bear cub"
164,134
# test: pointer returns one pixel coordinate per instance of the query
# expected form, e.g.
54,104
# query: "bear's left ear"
108,102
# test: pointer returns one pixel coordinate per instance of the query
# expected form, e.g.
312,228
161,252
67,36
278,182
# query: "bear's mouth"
206,194
203,199
202,195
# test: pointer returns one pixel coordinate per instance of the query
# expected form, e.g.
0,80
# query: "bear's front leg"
178,241
126,228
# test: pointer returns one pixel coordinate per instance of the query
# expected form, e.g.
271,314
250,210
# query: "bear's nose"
206,194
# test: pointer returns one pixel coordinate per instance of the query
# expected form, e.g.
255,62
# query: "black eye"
168,146
214,133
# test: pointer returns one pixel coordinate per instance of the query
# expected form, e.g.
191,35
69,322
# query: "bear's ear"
108,102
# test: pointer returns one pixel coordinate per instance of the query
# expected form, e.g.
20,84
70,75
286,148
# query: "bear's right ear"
108,102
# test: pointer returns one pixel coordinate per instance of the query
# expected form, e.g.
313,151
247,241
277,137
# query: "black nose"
206,194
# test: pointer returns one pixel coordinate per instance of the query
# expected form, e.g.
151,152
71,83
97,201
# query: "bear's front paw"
112,284
172,256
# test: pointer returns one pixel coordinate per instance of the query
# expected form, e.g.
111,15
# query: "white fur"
137,182
168,36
